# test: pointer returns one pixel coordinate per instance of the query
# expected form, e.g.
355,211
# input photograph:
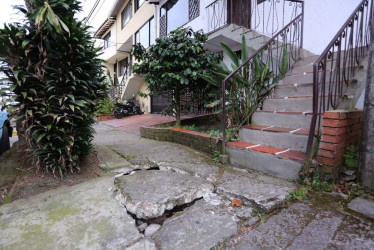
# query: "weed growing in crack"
299,194
220,246
216,155
262,216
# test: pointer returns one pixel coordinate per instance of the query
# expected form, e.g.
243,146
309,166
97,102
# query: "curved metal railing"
334,69
290,39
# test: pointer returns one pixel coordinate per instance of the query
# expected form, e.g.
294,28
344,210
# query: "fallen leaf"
236,203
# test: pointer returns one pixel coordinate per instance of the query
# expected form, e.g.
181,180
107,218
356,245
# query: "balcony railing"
335,68
264,16
217,14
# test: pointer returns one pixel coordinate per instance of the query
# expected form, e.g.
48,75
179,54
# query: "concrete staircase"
275,142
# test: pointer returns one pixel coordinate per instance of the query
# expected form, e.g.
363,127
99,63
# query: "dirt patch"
29,182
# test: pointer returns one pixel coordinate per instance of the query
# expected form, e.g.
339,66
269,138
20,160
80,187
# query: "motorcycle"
128,108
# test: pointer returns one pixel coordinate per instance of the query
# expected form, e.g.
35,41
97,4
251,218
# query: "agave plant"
56,77
247,89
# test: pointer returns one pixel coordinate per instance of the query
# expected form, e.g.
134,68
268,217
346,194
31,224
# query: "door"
240,13
158,103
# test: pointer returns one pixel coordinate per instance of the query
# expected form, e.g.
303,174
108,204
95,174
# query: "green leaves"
174,65
56,79
283,67
248,87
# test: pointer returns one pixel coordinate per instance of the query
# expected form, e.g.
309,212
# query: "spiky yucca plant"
56,77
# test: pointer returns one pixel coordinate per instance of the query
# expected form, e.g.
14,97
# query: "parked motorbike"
128,108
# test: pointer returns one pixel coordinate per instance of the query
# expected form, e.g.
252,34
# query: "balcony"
221,13
109,54
266,17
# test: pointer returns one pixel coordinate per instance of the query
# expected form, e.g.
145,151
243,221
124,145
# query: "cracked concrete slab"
311,225
109,159
362,206
145,244
267,193
147,194
85,216
201,226
202,170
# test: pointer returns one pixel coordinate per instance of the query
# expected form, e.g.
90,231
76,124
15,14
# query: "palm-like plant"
247,89
56,77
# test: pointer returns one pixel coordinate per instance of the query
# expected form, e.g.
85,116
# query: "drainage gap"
142,224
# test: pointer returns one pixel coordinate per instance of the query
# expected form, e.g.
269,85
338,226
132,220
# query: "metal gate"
158,103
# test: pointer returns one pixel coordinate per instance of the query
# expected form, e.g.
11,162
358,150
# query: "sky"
7,13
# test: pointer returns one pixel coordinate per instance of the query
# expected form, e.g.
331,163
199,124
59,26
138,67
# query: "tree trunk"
366,165
29,6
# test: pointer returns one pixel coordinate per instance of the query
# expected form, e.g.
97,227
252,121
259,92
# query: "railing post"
223,117
302,25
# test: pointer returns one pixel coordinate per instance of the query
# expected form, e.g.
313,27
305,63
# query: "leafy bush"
173,66
56,77
105,107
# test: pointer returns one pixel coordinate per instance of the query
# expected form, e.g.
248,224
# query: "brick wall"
339,129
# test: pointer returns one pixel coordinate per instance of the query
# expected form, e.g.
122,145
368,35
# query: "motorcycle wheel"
118,114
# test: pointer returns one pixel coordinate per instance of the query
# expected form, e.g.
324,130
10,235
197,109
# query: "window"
173,14
124,67
138,3
146,34
126,15
107,41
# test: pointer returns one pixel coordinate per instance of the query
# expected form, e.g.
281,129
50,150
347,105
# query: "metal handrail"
336,65
268,45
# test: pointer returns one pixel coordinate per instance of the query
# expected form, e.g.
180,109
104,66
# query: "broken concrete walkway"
85,216
177,198
147,194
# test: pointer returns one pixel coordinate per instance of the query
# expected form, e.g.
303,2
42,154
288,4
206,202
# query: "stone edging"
193,139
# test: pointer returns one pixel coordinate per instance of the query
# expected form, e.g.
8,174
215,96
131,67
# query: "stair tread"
275,129
286,112
288,154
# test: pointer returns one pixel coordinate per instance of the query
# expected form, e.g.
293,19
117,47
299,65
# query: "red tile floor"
133,123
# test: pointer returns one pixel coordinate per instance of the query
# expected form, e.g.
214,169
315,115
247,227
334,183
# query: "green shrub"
56,77
105,107
351,156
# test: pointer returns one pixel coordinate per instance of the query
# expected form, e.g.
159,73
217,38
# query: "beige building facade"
129,22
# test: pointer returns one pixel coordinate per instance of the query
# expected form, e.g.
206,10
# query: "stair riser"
282,120
306,61
302,69
299,90
300,78
274,139
265,163
306,66
293,91
290,104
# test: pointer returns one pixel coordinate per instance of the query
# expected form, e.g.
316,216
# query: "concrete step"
273,161
299,78
294,90
299,103
287,138
307,61
301,69
285,119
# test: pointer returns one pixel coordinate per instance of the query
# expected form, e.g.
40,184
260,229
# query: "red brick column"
340,129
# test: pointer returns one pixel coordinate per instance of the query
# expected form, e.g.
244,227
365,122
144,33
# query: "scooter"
126,109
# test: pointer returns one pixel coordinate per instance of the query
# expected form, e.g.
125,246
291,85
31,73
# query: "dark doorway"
158,103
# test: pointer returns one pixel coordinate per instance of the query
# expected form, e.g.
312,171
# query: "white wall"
323,19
